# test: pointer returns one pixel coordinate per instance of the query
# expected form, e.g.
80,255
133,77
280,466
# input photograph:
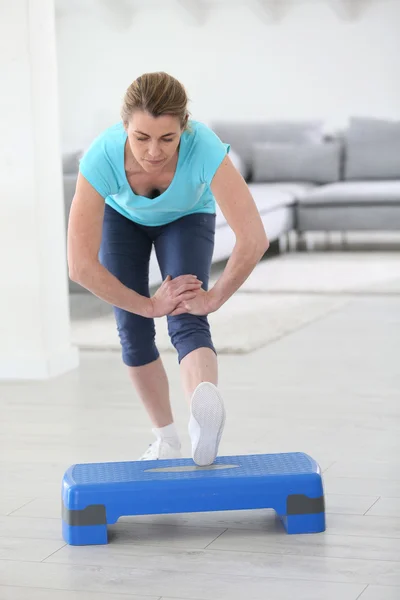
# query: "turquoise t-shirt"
200,154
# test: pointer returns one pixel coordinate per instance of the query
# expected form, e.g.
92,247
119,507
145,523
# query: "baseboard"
38,368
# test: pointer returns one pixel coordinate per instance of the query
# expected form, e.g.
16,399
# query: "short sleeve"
212,152
97,167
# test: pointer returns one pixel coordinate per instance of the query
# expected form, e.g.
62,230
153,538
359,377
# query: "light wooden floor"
331,389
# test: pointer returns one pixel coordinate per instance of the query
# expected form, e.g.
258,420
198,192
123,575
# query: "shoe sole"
206,424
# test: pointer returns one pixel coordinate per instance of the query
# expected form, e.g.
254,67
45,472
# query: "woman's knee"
188,333
137,339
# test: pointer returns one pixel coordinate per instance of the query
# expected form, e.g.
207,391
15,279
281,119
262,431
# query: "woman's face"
153,140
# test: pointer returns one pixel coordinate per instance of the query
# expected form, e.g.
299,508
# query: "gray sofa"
367,195
346,182
303,180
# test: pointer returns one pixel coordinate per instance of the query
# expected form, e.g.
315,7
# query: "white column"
34,312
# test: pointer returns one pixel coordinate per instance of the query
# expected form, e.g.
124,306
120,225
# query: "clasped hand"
183,294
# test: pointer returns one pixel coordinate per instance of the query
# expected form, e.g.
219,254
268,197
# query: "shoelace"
148,451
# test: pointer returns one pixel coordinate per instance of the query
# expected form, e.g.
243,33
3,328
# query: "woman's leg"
151,383
125,252
198,366
186,246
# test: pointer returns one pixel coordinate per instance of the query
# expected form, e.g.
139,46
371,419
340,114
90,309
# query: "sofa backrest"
242,135
70,162
372,149
308,162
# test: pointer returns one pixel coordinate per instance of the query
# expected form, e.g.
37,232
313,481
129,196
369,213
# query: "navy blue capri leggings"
182,247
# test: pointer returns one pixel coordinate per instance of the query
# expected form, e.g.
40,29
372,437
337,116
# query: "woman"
153,179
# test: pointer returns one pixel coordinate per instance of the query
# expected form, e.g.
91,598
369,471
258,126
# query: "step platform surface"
98,494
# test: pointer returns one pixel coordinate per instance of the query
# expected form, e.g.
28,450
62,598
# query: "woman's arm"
84,238
241,213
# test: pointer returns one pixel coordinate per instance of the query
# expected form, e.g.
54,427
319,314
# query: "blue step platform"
96,495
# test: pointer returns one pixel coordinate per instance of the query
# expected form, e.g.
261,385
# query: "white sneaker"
206,423
161,449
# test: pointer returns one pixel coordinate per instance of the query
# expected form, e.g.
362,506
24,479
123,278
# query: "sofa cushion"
313,162
354,193
269,197
266,197
241,136
371,128
296,189
372,149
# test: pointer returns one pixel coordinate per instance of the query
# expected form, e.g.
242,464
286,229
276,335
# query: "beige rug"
325,272
245,323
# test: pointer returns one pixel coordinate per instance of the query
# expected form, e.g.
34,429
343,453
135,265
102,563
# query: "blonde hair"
157,94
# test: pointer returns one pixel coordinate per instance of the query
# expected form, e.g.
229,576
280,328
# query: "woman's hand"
172,293
200,304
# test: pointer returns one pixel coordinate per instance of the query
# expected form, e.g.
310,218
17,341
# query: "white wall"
34,311
310,64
